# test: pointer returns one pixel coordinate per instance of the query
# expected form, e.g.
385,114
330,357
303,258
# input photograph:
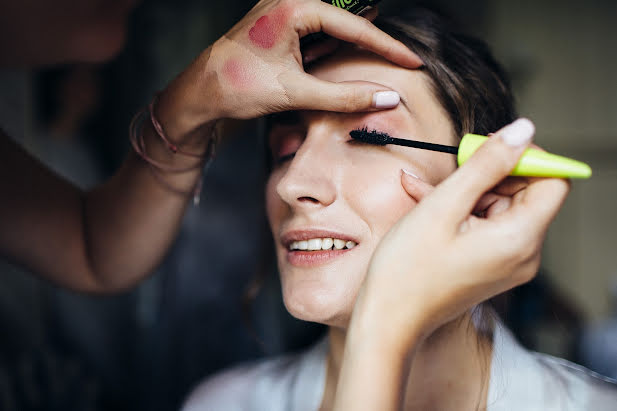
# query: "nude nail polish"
386,99
518,133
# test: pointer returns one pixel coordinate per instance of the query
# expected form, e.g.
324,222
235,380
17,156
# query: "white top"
520,380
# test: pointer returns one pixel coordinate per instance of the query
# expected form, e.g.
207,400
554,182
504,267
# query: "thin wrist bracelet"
157,168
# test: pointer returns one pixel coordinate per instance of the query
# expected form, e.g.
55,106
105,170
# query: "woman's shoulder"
522,379
578,384
272,383
239,386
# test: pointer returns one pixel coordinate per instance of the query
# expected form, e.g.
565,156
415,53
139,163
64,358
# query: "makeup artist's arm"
440,260
104,240
111,237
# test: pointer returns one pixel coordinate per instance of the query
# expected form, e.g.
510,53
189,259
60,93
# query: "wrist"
188,107
374,350
182,128
387,326
176,173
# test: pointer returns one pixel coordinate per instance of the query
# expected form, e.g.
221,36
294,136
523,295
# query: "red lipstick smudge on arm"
267,29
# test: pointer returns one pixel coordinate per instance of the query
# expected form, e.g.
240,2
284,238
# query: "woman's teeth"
315,244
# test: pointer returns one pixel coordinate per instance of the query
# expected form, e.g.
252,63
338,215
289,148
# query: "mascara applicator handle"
533,162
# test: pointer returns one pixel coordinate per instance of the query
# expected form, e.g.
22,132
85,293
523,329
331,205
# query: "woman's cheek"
440,167
378,196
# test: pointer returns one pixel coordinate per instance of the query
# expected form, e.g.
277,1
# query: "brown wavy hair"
465,78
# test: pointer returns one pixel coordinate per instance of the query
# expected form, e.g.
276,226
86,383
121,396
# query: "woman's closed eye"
284,158
285,145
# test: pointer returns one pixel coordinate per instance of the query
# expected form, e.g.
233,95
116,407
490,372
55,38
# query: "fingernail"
386,99
518,133
409,173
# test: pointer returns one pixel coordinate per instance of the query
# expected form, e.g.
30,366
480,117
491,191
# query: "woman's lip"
306,234
300,258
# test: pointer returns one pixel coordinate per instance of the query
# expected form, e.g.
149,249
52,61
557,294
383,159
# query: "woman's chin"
318,306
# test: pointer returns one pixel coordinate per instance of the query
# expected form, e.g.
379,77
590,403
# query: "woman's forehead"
351,64
357,66
354,64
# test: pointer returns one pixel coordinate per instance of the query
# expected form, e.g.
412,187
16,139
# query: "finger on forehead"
348,27
311,93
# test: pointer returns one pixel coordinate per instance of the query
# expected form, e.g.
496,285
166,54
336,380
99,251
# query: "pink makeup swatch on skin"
238,73
267,29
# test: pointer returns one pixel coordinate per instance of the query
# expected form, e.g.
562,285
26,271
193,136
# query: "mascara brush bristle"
381,139
371,137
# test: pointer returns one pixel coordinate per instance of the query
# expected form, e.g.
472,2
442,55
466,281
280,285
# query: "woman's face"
335,188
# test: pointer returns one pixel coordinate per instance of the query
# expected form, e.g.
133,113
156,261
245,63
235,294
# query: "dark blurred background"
147,348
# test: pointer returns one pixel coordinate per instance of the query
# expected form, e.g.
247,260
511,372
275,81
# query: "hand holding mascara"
533,162
438,262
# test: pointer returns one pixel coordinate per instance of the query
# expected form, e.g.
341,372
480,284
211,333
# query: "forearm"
376,363
107,239
132,219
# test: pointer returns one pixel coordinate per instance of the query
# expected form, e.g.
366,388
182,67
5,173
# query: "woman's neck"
450,370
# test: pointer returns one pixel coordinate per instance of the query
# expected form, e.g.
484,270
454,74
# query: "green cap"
353,6
533,163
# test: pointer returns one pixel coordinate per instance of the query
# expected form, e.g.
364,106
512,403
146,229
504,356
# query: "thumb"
414,186
489,165
307,92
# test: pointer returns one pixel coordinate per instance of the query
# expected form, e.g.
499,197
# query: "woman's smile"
300,258
313,247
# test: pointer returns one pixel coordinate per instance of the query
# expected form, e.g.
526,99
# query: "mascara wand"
381,139
533,162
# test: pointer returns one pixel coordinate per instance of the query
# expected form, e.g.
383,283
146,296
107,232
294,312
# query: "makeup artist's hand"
475,235
441,259
257,67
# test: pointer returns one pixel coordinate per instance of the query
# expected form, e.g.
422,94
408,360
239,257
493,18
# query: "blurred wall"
563,59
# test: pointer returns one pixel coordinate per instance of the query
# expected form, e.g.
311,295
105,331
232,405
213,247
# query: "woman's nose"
308,181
